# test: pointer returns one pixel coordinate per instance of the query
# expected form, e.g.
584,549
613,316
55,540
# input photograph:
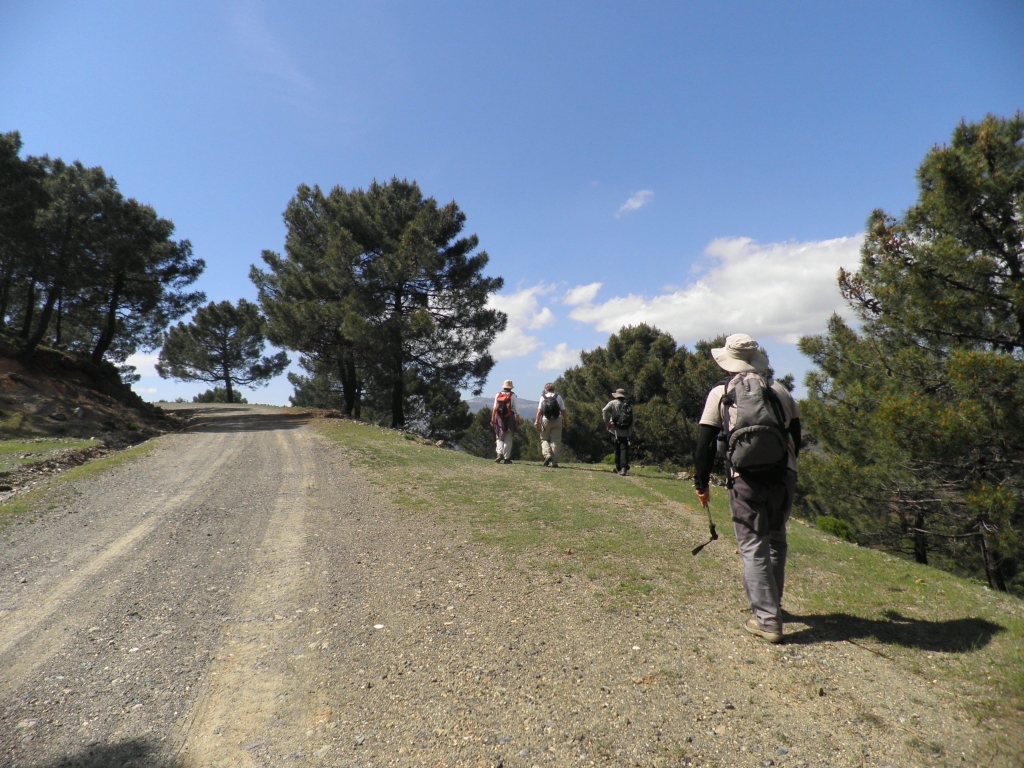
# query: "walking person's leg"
555,441
545,441
777,533
749,507
622,454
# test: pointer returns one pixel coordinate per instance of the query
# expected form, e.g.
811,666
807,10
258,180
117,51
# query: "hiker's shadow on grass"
952,636
133,753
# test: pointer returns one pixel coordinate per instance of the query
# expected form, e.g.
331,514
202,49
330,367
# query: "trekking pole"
711,526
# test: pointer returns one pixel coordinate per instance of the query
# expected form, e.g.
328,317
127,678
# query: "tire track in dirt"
244,694
45,619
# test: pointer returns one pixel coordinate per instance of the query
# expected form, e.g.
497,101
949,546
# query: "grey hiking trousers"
759,516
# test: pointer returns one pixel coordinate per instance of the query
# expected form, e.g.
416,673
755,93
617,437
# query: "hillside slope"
58,411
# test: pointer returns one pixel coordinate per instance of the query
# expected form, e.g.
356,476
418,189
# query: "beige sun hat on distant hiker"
620,394
740,355
507,384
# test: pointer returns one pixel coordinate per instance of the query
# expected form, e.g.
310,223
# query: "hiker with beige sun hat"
504,420
618,420
755,423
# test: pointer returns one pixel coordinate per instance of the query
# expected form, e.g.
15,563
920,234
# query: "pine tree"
222,345
379,284
920,414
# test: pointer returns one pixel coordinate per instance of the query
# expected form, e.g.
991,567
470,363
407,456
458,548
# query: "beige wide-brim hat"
740,355
507,384
619,393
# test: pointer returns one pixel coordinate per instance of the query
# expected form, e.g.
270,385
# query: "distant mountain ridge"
527,408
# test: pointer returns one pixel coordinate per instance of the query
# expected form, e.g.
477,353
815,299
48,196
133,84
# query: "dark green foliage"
478,439
667,385
223,344
920,416
82,268
320,389
378,286
218,395
838,528
436,410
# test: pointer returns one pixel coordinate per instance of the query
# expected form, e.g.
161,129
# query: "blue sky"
703,166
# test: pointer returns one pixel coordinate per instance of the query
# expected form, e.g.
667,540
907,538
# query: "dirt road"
243,597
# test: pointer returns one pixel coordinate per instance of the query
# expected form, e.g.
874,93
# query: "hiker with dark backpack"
754,423
551,420
618,420
504,420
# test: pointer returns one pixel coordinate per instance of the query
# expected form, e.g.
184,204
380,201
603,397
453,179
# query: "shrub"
838,528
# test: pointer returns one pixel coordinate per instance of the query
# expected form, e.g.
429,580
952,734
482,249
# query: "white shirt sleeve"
712,416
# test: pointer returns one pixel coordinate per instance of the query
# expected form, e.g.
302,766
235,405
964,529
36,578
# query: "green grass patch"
19,453
632,538
40,498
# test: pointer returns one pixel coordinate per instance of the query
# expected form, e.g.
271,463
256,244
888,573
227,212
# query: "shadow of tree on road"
134,753
247,422
952,636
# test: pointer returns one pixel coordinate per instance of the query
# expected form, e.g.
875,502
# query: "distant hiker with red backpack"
551,420
618,420
504,420
756,425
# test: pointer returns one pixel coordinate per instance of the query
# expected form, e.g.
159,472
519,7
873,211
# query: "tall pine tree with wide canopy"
920,413
379,285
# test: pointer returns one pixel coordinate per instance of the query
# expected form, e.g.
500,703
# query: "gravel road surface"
242,596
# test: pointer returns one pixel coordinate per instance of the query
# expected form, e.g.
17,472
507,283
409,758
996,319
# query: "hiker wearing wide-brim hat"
761,425
504,420
618,421
740,354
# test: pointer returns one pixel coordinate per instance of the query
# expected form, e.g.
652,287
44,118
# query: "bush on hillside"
216,395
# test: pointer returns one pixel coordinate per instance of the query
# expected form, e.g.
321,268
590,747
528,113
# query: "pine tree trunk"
5,295
30,307
920,540
44,320
349,383
398,368
107,337
60,320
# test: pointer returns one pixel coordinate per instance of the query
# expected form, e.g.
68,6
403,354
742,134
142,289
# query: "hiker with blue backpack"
551,420
504,420
754,423
618,420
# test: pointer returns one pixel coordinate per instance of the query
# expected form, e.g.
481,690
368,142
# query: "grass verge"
39,498
15,454
633,536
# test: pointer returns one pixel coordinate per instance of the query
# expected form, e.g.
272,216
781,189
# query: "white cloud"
144,366
636,202
147,391
581,294
778,291
559,358
523,315
542,319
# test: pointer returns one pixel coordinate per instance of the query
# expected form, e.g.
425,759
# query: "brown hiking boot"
499,460
752,627
547,462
